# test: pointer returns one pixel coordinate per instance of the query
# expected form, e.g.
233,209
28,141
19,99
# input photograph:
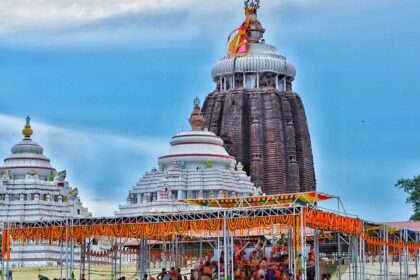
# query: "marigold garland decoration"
332,222
161,231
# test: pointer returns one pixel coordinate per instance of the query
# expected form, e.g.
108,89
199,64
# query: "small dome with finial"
198,147
27,130
196,118
27,156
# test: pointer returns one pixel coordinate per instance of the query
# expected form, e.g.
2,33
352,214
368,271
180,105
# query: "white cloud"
51,22
102,165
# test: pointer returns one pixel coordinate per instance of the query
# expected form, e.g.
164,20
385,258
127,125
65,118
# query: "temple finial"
27,130
196,102
196,118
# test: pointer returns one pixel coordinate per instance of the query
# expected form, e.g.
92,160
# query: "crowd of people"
249,264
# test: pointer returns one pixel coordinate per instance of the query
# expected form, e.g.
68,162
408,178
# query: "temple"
32,190
258,115
197,166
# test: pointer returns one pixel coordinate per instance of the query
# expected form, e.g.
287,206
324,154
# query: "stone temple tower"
255,111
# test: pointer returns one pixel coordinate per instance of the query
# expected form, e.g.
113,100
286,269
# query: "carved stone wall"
268,133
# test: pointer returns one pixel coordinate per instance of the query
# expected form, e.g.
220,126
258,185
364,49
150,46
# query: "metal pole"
88,256
2,253
67,250
61,259
350,258
356,259
407,272
121,248
224,244
338,244
339,255
201,249
232,253
295,237
399,258
303,242
219,252
8,252
289,246
382,256
176,255
72,257
140,261
417,258
316,245
142,258
363,255
386,255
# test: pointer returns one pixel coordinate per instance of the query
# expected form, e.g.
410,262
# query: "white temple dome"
260,58
197,166
31,190
249,54
27,156
197,149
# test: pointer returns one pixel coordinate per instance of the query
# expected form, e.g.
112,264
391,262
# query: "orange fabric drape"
333,222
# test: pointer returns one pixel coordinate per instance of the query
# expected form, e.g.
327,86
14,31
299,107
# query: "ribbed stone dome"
260,58
27,145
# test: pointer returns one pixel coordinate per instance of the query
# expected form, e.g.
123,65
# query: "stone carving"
32,174
5,174
228,144
73,192
239,80
211,194
189,194
239,166
220,194
61,176
267,80
200,194
51,176
257,191
165,193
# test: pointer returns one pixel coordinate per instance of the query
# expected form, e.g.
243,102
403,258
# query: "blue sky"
108,83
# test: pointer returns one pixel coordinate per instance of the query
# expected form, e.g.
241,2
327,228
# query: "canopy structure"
227,218
305,198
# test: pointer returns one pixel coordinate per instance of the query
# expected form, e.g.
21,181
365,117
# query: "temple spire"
27,130
196,119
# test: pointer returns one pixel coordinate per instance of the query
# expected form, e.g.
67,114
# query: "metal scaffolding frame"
357,255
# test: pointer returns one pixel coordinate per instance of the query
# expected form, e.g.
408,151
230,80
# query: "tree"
412,188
